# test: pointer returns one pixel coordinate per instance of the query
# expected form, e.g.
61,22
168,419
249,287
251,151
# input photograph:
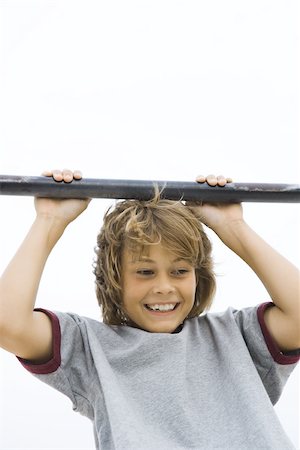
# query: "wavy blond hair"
138,224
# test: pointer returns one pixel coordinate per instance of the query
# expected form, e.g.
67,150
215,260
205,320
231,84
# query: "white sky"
142,89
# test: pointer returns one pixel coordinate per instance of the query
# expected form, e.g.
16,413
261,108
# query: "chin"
161,328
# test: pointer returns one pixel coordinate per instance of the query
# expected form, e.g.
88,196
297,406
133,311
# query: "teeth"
167,307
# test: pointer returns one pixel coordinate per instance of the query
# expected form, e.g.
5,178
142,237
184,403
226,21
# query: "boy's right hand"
62,210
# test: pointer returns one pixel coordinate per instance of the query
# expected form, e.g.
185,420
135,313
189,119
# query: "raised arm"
22,331
279,276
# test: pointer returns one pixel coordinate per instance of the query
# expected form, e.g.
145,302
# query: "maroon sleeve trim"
277,354
53,364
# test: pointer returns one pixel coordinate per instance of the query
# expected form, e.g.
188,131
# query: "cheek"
192,282
125,290
131,290
190,294
191,288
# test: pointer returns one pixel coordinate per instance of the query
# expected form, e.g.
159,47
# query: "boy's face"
158,289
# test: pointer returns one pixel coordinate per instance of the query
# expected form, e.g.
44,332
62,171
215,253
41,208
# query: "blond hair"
138,224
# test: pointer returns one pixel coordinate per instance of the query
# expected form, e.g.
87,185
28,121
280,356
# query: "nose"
163,285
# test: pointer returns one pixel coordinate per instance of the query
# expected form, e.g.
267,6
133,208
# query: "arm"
279,276
24,332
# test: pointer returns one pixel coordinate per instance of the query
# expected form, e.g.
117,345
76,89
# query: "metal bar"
143,190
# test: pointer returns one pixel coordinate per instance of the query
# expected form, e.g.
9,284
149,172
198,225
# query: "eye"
145,272
180,272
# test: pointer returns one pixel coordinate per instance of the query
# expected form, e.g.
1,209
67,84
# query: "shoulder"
224,321
229,329
240,319
75,338
246,324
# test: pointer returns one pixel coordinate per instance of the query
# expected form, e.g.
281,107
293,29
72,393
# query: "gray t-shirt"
211,385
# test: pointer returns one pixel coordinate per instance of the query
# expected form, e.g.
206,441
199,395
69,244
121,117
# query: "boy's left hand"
217,216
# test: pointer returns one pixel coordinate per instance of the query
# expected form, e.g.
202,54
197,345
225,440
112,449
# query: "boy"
157,374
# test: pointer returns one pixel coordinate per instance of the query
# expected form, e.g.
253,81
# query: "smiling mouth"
162,308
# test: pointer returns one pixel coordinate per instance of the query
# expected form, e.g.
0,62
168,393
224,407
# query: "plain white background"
142,89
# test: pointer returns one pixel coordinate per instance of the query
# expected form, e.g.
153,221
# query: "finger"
200,179
57,175
47,173
229,180
221,180
212,180
77,174
67,175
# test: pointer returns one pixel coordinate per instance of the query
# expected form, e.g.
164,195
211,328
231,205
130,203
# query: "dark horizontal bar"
143,190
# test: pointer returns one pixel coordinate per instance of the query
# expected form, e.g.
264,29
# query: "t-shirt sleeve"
273,365
70,368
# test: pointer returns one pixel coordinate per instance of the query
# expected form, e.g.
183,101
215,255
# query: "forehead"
149,254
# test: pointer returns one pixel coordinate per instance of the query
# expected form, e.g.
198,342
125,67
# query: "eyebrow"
149,260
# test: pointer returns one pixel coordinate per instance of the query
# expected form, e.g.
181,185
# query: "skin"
28,334
158,277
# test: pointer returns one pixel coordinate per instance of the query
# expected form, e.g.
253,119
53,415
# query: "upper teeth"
167,307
